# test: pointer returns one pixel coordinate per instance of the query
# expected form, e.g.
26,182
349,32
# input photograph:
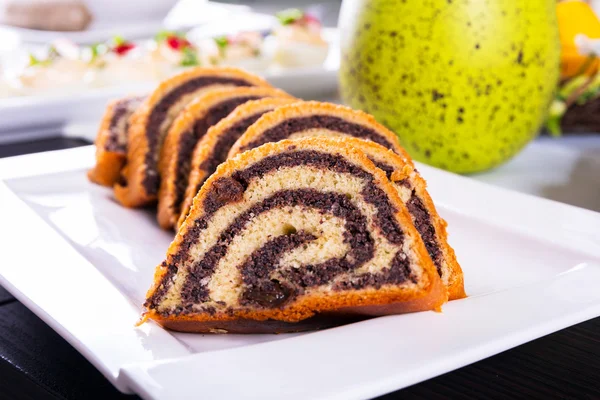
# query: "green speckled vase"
464,83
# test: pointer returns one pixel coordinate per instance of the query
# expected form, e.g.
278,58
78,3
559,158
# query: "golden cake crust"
370,301
403,171
131,192
169,158
108,163
308,108
206,145
303,318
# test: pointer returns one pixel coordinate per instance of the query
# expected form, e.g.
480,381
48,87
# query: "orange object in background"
576,17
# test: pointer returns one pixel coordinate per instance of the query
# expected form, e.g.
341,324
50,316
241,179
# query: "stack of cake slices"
291,215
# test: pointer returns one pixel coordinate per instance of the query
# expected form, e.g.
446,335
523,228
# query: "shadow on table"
583,187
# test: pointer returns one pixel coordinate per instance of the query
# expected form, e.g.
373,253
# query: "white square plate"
83,264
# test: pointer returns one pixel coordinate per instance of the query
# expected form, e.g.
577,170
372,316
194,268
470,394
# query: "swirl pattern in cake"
191,125
412,189
304,119
140,179
111,141
213,148
313,118
288,233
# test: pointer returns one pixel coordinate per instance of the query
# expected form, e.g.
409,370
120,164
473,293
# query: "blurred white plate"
123,21
83,264
24,113
97,32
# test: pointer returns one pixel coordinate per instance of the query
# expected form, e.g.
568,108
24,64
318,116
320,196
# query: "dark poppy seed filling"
226,141
221,148
404,182
388,169
189,139
226,190
261,290
117,141
330,162
157,116
421,218
286,128
398,272
422,221
356,235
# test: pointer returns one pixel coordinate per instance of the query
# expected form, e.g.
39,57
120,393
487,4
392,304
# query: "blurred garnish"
289,16
175,40
118,40
52,55
297,17
94,51
576,17
123,49
580,81
557,110
189,58
97,49
33,60
574,92
163,35
120,46
221,42
177,43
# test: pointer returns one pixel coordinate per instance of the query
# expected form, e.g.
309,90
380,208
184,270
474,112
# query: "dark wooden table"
36,363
